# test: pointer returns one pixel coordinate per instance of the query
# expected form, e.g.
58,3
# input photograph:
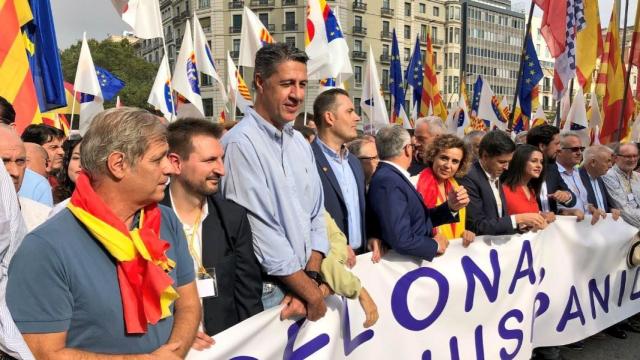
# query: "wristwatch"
315,276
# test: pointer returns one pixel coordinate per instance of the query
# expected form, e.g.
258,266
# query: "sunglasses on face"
574,149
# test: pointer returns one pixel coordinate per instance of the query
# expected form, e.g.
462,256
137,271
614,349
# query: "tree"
120,59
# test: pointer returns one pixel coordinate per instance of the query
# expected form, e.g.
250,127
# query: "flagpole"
632,50
558,103
173,103
73,109
519,81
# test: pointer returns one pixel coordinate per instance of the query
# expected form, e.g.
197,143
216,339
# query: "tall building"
492,43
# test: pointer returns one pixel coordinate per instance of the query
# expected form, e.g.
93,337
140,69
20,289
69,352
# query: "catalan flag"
15,75
254,36
587,53
238,90
610,83
431,96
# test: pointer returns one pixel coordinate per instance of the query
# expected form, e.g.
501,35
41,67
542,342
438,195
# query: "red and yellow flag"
431,96
610,85
16,83
587,53
243,90
635,56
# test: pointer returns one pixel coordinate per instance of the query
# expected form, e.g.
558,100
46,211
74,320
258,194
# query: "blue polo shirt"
62,279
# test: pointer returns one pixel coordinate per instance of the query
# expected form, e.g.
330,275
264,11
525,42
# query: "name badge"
207,284
631,198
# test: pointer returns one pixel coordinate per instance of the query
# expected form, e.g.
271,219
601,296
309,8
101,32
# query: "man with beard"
340,171
217,230
271,172
51,140
554,190
426,130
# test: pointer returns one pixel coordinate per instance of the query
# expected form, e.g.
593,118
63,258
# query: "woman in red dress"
521,183
447,158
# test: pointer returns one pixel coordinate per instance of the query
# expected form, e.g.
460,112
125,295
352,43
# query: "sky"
99,19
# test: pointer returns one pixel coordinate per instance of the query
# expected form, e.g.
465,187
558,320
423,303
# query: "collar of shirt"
491,178
562,169
268,128
402,171
329,152
619,171
203,215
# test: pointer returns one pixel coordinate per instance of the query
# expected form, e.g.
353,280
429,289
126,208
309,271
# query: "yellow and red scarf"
145,287
428,187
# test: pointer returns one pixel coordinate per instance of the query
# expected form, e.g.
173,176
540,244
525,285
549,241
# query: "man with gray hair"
597,160
426,130
396,213
272,173
111,273
623,183
35,185
472,141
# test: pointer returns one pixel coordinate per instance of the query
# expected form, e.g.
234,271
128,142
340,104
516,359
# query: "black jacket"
237,269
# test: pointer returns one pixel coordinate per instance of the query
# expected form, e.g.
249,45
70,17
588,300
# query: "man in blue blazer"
341,173
395,210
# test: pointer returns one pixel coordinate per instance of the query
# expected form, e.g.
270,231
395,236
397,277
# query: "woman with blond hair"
447,158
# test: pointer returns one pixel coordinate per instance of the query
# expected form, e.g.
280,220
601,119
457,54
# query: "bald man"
35,185
14,157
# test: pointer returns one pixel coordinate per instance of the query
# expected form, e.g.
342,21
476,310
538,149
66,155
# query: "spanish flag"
586,51
431,96
15,75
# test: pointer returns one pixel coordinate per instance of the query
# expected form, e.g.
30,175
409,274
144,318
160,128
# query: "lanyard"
192,249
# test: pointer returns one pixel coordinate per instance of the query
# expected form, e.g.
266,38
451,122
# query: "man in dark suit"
396,211
487,211
217,230
340,171
426,130
554,190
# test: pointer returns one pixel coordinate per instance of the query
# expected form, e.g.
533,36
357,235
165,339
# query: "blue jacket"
397,215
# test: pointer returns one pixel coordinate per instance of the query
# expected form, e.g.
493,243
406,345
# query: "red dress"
517,202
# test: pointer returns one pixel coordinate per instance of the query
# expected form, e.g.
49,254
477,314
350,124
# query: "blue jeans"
272,295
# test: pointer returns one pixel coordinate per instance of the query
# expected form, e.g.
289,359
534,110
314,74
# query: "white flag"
253,37
488,109
87,85
238,90
160,96
372,102
185,74
325,43
204,57
565,106
142,15
577,117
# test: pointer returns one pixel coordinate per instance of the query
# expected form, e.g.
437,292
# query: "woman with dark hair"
70,170
522,181
447,158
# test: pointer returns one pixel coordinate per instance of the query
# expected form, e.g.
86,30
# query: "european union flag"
331,25
44,59
477,92
531,76
396,84
415,72
109,83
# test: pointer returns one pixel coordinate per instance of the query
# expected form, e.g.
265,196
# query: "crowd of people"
142,238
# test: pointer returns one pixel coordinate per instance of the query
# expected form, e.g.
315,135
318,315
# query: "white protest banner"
497,299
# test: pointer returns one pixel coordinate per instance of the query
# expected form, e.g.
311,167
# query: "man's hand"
615,214
293,307
467,238
166,352
377,249
202,341
351,257
443,243
596,214
561,196
458,198
326,290
549,216
533,221
316,309
579,214
369,307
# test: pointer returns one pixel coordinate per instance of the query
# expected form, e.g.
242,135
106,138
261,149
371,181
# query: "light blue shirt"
574,182
349,187
36,187
273,175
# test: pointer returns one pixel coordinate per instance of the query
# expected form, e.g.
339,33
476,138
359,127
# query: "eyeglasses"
370,158
574,149
628,157
413,146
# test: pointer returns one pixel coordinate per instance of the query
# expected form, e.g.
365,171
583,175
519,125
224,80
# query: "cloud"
97,17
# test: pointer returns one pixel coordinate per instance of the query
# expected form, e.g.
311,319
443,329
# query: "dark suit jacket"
416,167
482,211
591,195
333,199
554,183
237,269
397,215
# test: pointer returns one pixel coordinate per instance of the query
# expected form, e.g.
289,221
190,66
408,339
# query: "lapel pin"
325,169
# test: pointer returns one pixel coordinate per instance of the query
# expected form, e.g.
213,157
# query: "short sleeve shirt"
62,279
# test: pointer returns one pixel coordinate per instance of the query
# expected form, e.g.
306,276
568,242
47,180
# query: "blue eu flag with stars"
415,72
531,76
396,83
109,83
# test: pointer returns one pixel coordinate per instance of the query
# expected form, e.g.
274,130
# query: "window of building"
290,17
206,24
264,19
236,45
358,21
356,105
236,21
205,80
434,33
436,11
290,40
407,54
456,36
385,78
407,32
423,32
203,4
385,27
423,8
385,49
207,104
357,74
407,9
385,4
357,45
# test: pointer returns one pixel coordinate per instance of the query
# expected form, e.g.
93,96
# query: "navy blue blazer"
333,200
591,195
396,214
554,183
482,211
